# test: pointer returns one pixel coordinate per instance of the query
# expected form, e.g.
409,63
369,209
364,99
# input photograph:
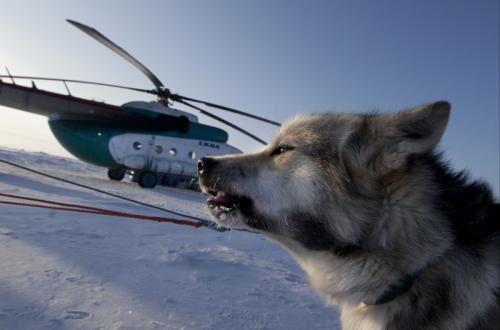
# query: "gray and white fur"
381,225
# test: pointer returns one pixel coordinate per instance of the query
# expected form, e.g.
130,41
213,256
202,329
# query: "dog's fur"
382,227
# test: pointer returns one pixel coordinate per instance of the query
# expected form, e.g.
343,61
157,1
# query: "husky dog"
382,227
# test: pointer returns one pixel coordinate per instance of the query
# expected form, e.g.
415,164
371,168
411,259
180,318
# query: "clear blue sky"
273,58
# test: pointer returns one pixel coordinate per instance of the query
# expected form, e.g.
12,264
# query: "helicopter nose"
205,164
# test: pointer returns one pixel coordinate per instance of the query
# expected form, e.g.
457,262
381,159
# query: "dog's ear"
384,143
419,130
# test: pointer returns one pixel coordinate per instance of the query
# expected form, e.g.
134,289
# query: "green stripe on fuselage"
89,140
143,112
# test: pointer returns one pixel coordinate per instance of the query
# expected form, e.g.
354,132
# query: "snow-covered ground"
63,270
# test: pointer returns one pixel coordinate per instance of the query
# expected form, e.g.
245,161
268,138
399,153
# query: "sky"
272,58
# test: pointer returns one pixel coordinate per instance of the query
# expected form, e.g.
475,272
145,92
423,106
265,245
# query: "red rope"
94,210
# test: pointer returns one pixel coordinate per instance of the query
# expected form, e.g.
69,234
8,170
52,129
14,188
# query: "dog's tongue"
221,197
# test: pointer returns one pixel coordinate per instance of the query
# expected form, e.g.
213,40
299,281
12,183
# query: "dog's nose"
205,164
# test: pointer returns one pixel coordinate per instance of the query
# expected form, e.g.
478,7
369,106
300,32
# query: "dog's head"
323,179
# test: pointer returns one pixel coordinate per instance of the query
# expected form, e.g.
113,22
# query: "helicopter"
152,141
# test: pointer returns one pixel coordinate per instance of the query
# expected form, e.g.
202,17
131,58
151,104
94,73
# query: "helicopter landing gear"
116,174
147,179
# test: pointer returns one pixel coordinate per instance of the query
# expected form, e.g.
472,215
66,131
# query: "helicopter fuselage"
140,136
117,146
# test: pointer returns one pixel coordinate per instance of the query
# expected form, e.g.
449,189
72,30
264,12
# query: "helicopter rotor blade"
149,91
161,91
221,107
174,97
239,129
118,50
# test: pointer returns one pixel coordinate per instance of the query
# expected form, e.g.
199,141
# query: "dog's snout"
205,164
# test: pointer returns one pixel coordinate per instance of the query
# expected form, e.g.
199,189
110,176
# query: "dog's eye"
281,149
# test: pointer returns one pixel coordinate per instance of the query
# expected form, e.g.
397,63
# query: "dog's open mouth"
221,202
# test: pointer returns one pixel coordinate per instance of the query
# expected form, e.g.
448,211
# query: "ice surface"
62,270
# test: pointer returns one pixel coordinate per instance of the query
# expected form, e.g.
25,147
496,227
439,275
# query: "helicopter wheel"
116,174
147,179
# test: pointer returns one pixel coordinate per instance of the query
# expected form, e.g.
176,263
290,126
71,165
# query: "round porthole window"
172,152
191,155
158,149
137,145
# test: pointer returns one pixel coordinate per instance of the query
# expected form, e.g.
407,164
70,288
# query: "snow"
65,270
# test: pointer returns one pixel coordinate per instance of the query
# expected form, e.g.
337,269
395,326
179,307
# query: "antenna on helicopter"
11,77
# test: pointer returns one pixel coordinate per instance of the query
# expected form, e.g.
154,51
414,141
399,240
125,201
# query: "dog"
378,221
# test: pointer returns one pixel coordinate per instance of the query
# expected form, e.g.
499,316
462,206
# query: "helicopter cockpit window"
172,152
137,145
191,155
158,149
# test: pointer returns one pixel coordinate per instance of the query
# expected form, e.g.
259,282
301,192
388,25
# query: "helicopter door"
134,151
